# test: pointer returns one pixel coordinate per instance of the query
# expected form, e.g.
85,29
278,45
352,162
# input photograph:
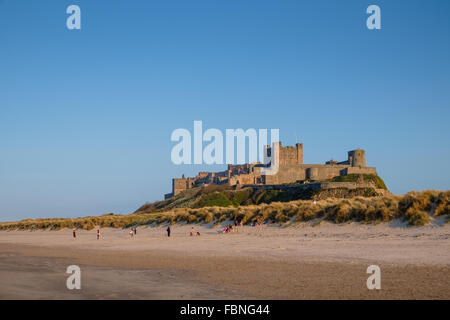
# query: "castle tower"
267,154
287,155
357,158
299,147
179,185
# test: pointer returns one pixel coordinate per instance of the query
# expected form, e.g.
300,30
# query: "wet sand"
327,261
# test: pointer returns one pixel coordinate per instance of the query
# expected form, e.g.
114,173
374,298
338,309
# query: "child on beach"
191,232
131,233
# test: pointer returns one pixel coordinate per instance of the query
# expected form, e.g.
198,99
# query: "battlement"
291,169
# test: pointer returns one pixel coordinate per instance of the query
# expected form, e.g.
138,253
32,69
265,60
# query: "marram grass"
417,208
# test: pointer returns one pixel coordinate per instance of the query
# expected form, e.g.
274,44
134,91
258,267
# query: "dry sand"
303,261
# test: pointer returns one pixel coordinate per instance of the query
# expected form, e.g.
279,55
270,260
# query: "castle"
290,169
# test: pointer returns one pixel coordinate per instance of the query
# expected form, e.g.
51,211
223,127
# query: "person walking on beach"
135,230
98,234
74,233
168,231
131,233
192,231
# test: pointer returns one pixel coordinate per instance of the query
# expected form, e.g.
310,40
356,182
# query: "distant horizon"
86,115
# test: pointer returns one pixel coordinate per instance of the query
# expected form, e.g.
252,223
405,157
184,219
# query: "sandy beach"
302,261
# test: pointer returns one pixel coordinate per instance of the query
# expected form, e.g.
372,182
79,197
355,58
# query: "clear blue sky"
86,115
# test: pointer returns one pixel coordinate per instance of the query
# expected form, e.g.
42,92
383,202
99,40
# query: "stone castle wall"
291,169
292,173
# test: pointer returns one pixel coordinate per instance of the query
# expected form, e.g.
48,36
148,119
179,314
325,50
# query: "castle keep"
290,169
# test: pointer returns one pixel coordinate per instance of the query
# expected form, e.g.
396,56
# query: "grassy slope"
223,196
367,177
415,207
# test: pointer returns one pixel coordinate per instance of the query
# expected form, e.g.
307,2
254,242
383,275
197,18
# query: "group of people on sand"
131,233
229,228
133,230
192,232
74,233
